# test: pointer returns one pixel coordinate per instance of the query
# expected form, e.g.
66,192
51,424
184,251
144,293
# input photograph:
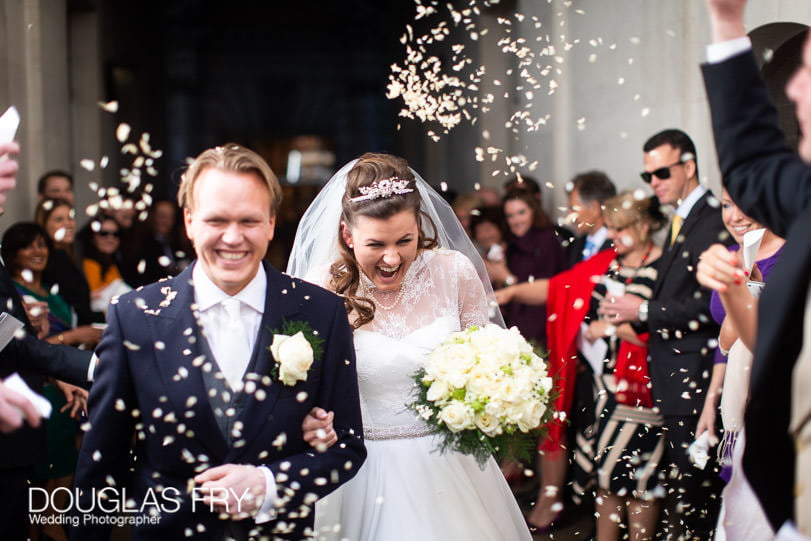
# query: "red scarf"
567,305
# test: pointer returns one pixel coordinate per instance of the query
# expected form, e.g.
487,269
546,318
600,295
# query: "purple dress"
717,307
538,254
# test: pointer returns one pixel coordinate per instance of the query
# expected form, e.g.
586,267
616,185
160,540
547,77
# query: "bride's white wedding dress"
742,517
406,489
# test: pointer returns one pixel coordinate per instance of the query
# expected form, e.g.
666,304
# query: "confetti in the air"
133,191
110,106
122,133
442,82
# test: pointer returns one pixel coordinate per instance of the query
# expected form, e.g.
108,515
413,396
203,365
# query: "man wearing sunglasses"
771,183
681,329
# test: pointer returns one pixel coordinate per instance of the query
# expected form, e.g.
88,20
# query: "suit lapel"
669,255
665,264
181,360
695,214
576,249
281,303
177,323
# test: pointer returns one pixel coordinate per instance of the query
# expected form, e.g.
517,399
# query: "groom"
186,369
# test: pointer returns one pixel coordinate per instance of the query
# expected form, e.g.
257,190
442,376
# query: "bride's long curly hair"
345,272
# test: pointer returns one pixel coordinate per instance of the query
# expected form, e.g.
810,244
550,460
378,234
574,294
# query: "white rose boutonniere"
294,349
294,355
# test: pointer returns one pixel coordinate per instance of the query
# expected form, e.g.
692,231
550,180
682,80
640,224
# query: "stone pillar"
36,81
90,126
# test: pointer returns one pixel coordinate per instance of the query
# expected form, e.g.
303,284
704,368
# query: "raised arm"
726,19
764,176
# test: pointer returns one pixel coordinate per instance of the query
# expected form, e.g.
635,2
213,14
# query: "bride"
378,235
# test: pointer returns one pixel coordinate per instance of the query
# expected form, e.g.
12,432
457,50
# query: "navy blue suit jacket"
681,328
770,183
149,385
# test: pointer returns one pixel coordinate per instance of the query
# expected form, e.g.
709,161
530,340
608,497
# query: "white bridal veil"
316,243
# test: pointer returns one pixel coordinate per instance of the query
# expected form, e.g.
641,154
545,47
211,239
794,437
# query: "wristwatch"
642,313
509,280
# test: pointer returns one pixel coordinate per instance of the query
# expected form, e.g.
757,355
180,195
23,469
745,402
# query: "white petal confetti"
110,106
122,133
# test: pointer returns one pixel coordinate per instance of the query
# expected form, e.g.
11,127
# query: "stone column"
36,81
92,131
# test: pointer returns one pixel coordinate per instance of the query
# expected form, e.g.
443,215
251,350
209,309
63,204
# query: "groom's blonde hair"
234,158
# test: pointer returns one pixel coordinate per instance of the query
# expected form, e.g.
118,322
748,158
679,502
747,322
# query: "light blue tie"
588,251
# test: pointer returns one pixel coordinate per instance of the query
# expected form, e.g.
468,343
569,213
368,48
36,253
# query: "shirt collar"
207,293
688,202
598,238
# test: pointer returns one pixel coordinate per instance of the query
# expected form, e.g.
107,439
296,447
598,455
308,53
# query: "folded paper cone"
8,124
751,244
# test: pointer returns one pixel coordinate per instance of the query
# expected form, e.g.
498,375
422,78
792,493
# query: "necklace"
641,264
393,304
369,292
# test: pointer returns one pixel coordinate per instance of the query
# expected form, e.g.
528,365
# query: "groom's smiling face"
230,224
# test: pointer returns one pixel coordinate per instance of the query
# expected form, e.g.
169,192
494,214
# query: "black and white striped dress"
616,447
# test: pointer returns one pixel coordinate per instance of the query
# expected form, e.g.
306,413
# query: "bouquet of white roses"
486,391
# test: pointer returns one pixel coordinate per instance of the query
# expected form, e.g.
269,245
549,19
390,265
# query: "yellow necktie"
675,226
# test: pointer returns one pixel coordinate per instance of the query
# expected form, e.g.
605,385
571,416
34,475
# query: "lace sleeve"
471,296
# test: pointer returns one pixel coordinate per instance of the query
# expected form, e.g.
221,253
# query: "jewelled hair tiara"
383,188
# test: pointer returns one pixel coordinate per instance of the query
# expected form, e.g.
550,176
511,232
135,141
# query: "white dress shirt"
689,202
597,239
718,52
214,320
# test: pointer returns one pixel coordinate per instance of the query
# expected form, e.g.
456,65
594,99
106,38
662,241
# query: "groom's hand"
233,490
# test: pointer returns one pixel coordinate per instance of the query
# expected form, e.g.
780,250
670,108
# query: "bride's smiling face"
384,248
